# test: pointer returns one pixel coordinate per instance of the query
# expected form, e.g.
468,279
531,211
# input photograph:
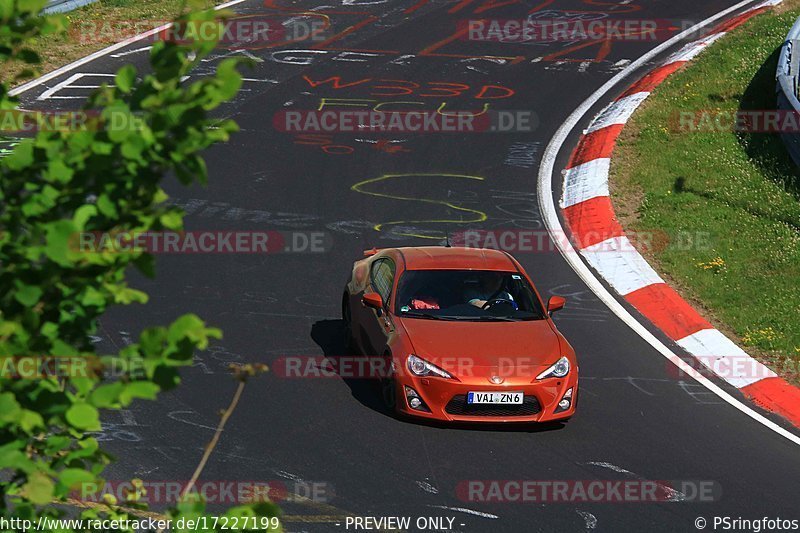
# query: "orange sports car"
462,335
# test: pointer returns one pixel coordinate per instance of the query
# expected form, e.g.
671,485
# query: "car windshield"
466,295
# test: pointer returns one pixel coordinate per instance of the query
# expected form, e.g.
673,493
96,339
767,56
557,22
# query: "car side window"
382,278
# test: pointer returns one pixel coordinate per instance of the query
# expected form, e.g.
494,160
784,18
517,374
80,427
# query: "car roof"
455,258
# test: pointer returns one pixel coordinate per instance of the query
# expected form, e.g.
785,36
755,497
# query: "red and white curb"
600,239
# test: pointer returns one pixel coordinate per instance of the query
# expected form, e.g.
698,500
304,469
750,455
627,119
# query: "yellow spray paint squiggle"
478,216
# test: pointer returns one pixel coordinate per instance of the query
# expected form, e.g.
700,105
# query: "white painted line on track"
554,227
67,84
466,511
100,53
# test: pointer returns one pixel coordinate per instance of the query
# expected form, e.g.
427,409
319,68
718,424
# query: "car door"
379,324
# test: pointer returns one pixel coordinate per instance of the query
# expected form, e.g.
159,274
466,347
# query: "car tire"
389,394
347,319
388,391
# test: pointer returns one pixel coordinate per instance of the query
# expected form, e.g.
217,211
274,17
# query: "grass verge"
730,202
95,26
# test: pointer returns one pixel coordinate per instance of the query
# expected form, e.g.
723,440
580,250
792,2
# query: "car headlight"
420,367
558,370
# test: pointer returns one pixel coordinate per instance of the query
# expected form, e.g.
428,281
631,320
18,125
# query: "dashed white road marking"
589,518
466,511
610,466
673,495
130,52
100,53
288,475
68,84
427,487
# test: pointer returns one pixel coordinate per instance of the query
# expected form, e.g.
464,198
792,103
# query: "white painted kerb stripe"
618,112
586,181
724,358
621,265
691,50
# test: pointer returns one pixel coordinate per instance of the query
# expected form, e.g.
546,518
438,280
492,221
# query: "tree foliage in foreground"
103,177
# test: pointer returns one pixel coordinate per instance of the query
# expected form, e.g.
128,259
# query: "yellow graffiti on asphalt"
478,216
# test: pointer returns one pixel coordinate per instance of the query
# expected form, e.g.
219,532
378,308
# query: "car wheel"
389,389
349,345
389,393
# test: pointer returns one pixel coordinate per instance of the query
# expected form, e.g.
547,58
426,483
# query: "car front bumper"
446,399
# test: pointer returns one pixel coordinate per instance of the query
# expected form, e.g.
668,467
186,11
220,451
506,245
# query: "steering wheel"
494,301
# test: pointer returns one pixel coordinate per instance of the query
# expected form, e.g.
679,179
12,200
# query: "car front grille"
458,406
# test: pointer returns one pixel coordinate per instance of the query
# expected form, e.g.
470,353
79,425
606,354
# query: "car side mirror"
373,300
555,303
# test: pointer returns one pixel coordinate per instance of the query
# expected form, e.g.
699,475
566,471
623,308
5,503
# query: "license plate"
497,398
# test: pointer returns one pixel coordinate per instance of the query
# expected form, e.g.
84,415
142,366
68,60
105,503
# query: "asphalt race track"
637,419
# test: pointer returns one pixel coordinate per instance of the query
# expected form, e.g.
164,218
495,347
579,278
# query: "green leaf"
12,457
83,385
9,408
188,325
82,215
229,78
152,341
102,148
92,297
57,170
30,420
106,396
74,477
27,295
106,206
84,416
125,78
126,295
59,237
172,220
139,389
21,157
38,489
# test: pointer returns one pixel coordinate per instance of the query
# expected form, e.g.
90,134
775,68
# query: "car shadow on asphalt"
329,336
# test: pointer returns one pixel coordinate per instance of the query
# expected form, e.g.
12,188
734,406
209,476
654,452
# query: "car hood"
483,344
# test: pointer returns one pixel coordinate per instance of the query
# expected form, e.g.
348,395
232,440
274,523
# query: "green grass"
742,190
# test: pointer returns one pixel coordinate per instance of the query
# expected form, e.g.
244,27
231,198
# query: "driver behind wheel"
487,288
